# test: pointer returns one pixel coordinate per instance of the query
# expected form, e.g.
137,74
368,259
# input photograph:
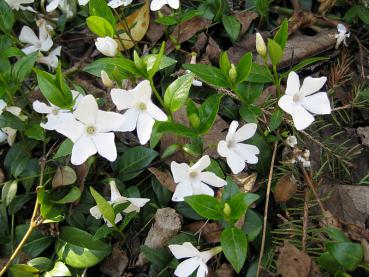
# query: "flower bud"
260,45
106,80
107,46
194,120
232,73
227,210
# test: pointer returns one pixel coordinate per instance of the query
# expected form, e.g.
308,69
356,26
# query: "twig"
312,188
361,55
78,64
306,219
266,209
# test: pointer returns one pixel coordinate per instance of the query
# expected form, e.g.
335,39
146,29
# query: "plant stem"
160,99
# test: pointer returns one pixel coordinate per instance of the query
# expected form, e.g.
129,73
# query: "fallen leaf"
300,19
200,43
134,27
164,178
213,51
285,188
325,6
185,31
245,181
245,18
210,232
64,176
363,133
155,31
116,263
225,270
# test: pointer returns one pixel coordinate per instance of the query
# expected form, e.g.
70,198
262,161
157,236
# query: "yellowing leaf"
133,27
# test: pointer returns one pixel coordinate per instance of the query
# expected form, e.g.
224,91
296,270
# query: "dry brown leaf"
64,176
225,270
116,263
245,181
300,19
186,30
209,231
155,31
164,178
292,262
285,188
134,27
200,43
325,6
212,51
245,18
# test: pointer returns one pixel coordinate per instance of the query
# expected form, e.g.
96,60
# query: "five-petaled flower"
194,259
116,198
117,3
41,43
235,152
302,102
18,5
50,60
158,4
192,181
141,111
91,131
342,35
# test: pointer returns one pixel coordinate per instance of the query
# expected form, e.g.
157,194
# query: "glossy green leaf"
73,195
232,26
206,206
122,65
60,269
65,148
23,67
250,113
259,74
208,112
275,52
105,208
8,192
100,26
244,67
177,92
348,254
23,270
275,120
209,74
282,34
7,19
100,8
175,128
8,119
234,245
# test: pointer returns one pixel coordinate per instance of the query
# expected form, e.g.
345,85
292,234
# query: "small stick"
266,209
306,219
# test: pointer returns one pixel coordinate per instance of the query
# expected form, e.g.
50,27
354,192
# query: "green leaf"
8,192
253,225
215,168
232,26
65,148
175,128
224,63
60,269
328,262
102,232
244,67
259,74
177,92
160,257
265,155
35,131
7,19
8,119
41,263
155,67
234,244
100,8
73,195
240,202
23,270
275,120
250,113
100,26
229,190
208,112
304,63
335,234
35,244
250,92
78,249
122,65
134,161
347,254
206,206
165,61
275,52
282,34
105,208
23,67
167,20
209,74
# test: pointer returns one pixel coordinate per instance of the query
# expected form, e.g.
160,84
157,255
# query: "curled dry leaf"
64,176
210,232
134,27
285,188
164,178
245,181
245,18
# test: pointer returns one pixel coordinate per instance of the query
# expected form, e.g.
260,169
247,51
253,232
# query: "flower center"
55,111
193,174
142,106
231,143
90,130
297,97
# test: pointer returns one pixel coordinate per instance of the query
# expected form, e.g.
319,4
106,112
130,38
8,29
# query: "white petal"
27,35
293,84
179,171
155,112
142,92
182,190
232,129
317,103
157,4
136,204
115,3
185,268
82,150
115,195
41,107
2,105
83,2
14,110
105,145
311,85
130,118
71,128
211,179
245,132
202,270
118,218
223,149
30,49
52,5
341,28
206,256
235,163
3,136
201,164
53,121
108,121
144,127
95,212
201,188
86,110
286,103
301,118
174,4
186,250
247,152
123,99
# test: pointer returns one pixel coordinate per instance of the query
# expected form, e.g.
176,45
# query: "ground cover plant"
184,138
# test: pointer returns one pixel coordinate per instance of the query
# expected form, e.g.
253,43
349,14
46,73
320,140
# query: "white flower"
300,102
107,46
238,153
8,133
41,43
106,80
91,131
17,5
115,199
342,35
141,111
50,60
195,259
55,115
53,5
117,3
192,181
195,82
260,45
158,4
83,2
291,141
